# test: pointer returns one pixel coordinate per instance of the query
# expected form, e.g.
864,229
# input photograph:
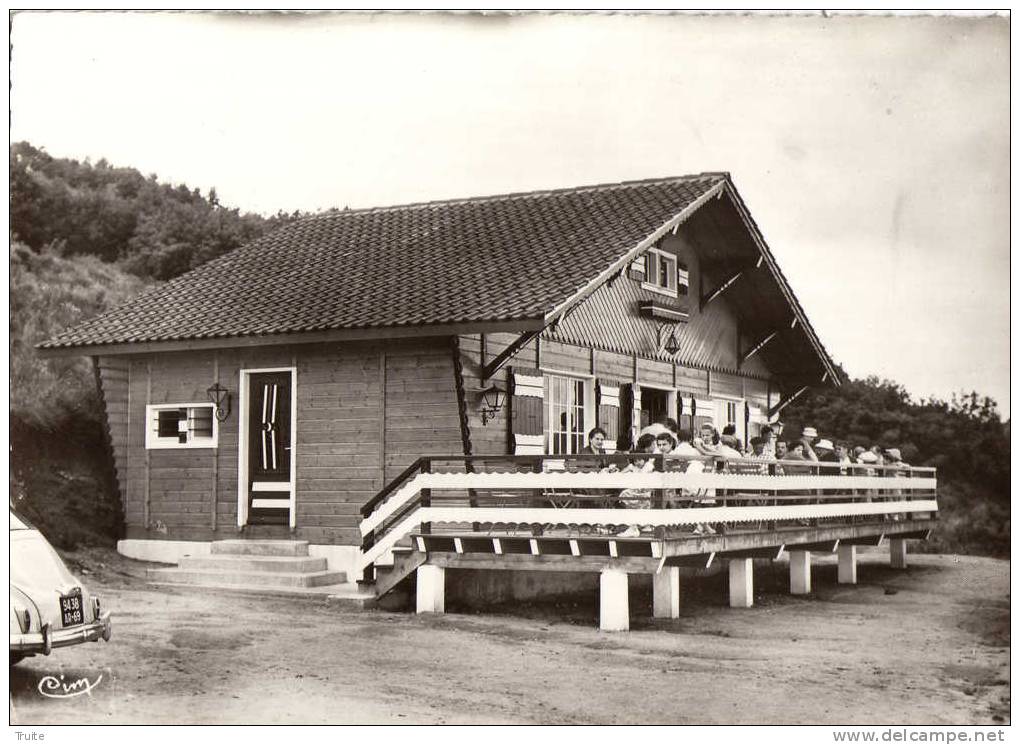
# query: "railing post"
426,494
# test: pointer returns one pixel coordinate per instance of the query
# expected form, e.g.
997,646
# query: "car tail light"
23,616
95,608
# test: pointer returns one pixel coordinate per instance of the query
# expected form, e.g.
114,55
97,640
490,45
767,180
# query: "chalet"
406,389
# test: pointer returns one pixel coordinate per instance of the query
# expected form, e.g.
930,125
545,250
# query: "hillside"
85,238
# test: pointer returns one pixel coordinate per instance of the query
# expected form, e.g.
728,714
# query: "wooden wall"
365,411
547,354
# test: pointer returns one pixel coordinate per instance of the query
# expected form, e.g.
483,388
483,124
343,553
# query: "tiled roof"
500,258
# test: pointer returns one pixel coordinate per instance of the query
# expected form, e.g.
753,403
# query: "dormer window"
661,272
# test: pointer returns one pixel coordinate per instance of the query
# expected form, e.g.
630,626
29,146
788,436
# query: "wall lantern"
220,397
670,344
493,399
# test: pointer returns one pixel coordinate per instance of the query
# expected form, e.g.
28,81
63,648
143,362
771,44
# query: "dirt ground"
929,645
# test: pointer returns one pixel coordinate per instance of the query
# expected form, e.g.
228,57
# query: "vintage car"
49,607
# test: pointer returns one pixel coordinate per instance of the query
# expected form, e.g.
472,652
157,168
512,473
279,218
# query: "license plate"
71,611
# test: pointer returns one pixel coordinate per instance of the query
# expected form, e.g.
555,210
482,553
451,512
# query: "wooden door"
269,448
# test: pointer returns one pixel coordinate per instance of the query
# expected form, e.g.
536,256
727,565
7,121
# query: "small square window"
180,426
661,273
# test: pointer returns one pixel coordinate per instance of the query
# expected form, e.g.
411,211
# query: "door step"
261,547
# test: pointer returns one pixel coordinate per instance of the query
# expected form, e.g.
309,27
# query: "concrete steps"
257,579
254,565
344,596
236,547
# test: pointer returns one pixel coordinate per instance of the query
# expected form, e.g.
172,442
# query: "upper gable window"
180,426
663,274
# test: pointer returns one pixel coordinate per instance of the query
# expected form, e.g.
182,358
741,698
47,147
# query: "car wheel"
16,657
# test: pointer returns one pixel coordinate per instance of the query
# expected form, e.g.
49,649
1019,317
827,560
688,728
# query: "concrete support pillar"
898,553
800,572
847,574
431,582
741,583
614,602
666,593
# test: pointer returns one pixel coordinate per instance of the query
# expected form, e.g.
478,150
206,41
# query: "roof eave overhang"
297,337
830,373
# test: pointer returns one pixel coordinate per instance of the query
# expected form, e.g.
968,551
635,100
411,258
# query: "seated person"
684,449
596,446
638,499
758,451
665,442
729,446
796,453
826,451
596,442
707,441
768,436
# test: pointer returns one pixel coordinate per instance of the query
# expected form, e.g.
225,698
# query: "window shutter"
637,269
683,408
607,412
527,395
704,411
624,437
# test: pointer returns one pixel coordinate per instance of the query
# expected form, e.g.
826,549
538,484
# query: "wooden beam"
697,561
507,354
706,299
819,547
869,540
545,562
757,347
922,535
786,401
772,553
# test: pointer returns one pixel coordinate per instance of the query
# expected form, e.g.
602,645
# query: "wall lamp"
493,400
220,398
671,344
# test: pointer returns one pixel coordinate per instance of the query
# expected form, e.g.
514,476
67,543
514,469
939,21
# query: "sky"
872,151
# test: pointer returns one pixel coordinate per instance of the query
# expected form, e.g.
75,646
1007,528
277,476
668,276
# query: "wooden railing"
568,492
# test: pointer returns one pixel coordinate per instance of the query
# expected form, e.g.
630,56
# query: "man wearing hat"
826,452
807,437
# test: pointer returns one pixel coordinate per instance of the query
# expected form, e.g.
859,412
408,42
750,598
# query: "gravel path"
929,645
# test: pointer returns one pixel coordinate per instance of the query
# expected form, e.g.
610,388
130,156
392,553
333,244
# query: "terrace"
563,513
